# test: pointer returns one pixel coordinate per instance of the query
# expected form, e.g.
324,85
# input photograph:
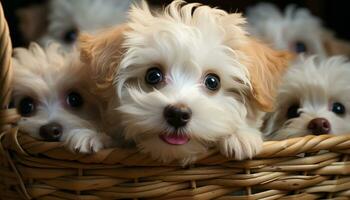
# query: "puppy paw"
88,141
241,145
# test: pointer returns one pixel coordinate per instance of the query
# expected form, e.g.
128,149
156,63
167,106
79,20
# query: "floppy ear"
266,67
102,53
32,21
335,46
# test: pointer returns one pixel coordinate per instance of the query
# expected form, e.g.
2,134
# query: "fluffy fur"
295,25
186,42
74,16
47,76
315,86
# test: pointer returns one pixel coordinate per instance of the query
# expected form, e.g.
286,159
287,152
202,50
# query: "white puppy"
67,18
296,30
314,99
188,78
52,93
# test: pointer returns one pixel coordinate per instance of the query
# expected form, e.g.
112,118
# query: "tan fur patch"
102,53
335,46
266,67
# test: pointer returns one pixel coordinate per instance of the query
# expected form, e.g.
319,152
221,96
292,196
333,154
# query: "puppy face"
51,93
295,29
188,78
313,99
68,18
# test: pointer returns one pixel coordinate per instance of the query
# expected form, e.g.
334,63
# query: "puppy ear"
335,46
102,52
266,67
32,21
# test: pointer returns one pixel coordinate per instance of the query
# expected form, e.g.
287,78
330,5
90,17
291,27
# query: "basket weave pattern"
312,167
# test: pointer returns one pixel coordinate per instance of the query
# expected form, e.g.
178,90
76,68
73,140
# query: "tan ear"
32,21
102,52
266,67
335,46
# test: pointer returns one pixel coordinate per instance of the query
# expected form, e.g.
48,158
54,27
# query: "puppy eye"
300,47
212,82
74,100
70,36
26,107
154,76
338,108
293,111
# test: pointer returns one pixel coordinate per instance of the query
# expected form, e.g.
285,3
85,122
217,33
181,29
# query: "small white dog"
51,91
67,18
189,78
314,99
296,30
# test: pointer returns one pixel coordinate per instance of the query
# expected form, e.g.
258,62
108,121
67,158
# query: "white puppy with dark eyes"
189,78
296,30
67,18
51,91
314,99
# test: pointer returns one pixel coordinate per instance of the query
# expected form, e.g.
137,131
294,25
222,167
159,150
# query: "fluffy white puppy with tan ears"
314,99
296,30
52,93
188,78
67,18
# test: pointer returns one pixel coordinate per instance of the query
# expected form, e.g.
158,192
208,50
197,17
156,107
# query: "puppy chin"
160,150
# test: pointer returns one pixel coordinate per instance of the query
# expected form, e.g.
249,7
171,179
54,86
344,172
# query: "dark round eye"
300,47
212,82
74,100
154,76
338,108
70,36
26,107
293,111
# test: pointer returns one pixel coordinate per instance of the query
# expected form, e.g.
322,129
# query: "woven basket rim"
25,145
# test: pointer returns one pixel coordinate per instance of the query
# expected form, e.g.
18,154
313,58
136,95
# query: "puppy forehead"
44,79
174,39
182,48
311,79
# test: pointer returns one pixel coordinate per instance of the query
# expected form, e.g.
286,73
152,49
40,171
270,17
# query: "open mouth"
175,139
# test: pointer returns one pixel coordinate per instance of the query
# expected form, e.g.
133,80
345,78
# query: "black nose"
177,115
319,126
51,132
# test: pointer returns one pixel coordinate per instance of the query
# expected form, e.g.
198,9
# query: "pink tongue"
175,139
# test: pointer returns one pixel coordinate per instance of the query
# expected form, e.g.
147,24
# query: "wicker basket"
305,168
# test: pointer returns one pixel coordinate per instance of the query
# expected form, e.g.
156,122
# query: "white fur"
47,76
315,84
186,46
84,16
283,30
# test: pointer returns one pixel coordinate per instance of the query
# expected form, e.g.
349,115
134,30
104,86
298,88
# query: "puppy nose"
177,115
51,132
319,126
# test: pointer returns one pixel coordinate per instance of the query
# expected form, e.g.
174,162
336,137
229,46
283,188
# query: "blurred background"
334,14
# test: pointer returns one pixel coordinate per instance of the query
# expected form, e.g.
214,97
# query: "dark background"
335,14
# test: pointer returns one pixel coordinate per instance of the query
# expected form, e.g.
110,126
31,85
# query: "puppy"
51,91
188,78
67,18
296,30
313,99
